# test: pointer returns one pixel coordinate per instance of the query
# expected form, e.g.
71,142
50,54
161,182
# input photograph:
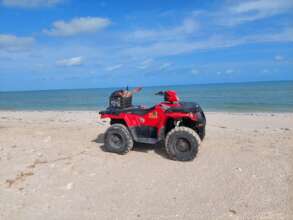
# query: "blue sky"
55,44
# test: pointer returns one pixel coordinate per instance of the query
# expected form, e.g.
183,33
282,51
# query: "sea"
225,97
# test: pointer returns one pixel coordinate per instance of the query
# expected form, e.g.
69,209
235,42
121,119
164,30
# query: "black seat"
131,110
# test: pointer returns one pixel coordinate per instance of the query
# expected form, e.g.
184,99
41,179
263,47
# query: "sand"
52,167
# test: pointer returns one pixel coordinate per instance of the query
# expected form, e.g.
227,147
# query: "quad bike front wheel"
182,143
118,139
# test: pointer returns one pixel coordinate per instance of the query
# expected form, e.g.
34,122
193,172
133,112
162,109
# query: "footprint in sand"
19,178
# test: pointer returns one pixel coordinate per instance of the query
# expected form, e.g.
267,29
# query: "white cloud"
14,43
167,48
78,26
164,66
262,6
112,68
229,71
30,3
279,58
188,26
285,35
187,37
74,61
145,63
194,71
247,11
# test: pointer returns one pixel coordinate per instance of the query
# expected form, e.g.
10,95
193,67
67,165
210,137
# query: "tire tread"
182,129
127,134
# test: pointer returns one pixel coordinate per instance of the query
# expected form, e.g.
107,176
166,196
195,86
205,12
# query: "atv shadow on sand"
145,148
99,139
138,147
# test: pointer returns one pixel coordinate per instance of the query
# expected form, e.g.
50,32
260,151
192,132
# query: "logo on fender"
153,115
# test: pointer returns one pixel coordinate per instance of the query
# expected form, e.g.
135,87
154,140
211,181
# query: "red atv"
179,125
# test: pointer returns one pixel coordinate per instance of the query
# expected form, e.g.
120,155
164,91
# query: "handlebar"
160,93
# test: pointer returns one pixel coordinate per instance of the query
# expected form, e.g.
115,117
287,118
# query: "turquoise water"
237,97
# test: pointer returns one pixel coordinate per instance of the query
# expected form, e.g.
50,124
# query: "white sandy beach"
52,167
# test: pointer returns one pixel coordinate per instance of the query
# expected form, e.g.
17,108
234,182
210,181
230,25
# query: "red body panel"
157,117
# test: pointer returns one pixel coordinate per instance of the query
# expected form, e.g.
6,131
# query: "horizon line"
149,86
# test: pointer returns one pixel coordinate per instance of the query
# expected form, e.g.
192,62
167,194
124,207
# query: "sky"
68,44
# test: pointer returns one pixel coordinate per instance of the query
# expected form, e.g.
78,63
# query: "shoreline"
207,111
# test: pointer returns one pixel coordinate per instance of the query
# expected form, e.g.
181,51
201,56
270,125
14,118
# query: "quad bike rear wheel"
182,143
118,139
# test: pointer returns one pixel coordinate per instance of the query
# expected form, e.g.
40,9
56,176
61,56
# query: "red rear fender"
178,115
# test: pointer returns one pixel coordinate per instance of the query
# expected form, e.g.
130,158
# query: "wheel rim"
182,145
116,141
